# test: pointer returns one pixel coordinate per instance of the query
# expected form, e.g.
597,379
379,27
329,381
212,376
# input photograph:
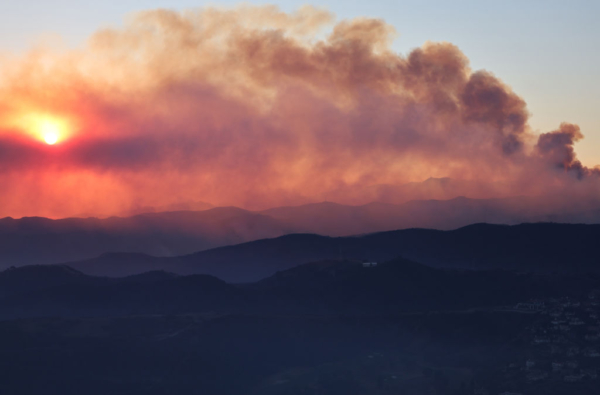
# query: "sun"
44,127
50,131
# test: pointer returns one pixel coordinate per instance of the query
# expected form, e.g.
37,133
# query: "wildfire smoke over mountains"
258,108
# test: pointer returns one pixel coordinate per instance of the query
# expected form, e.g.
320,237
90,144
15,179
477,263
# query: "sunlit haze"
259,106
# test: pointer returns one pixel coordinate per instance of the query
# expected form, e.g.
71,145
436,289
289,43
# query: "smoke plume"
255,107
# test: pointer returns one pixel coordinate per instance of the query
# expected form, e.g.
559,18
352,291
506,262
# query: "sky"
543,49
116,105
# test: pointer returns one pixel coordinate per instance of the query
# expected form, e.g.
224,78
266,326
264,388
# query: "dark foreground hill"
242,354
326,287
328,328
528,247
400,285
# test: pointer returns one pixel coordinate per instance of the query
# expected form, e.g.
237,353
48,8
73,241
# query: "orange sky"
257,108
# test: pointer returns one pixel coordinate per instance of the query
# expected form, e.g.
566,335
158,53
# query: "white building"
369,264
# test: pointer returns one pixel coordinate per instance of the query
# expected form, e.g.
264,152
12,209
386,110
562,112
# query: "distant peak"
107,255
440,179
60,268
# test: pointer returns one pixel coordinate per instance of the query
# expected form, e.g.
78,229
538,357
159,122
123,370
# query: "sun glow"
50,131
48,128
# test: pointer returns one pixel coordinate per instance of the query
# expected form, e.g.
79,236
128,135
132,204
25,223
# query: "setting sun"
50,131
48,128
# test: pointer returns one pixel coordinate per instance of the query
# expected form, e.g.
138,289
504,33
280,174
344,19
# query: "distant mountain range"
183,206
444,188
339,220
35,240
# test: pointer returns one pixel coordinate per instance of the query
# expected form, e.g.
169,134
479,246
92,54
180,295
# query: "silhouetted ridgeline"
41,240
527,247
326,287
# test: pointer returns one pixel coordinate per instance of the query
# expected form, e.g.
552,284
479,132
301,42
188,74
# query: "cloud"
255,107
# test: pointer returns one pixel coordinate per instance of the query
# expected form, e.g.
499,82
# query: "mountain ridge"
37,240
527,247
321,287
